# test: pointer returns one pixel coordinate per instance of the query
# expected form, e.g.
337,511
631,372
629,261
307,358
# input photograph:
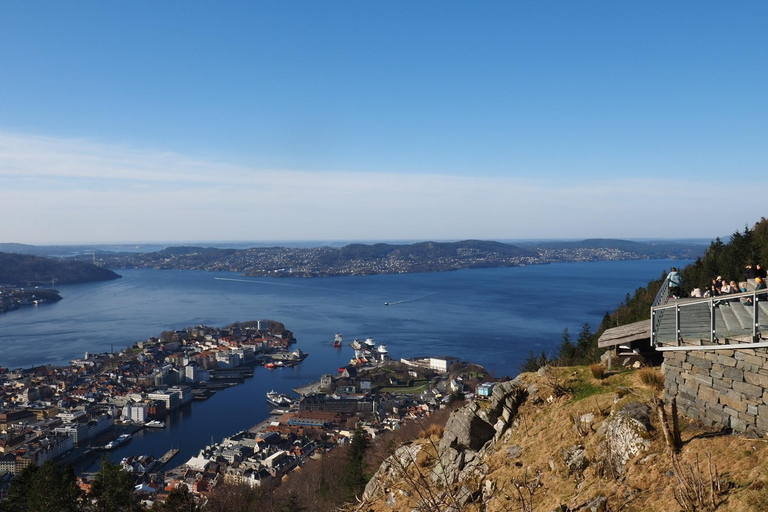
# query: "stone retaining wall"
722,388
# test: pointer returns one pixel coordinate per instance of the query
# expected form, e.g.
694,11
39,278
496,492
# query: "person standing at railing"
750,273
675,283
759,285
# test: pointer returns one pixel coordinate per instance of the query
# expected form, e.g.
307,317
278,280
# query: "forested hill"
26,270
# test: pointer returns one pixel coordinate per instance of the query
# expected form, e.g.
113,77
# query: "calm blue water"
490,316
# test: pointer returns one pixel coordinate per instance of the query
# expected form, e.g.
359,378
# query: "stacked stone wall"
721,388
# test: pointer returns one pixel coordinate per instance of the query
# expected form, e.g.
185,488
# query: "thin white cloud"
68,190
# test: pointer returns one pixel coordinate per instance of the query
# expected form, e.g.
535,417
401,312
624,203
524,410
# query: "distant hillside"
27,270
352,259
652,250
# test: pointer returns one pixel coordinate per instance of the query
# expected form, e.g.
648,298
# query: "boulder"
626,435
466,429
575,459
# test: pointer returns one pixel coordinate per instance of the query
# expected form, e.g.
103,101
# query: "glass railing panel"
664,324
695,323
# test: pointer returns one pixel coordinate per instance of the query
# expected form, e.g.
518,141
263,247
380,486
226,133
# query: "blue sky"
179,121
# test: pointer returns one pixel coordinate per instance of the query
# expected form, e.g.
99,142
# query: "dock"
168,455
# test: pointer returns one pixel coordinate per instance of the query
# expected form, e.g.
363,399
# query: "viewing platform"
724,322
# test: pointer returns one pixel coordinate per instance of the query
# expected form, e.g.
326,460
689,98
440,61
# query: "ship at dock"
279,399
122,438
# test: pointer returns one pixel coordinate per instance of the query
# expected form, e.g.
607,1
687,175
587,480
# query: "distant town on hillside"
323,260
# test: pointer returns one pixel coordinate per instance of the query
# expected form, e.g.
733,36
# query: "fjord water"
490,316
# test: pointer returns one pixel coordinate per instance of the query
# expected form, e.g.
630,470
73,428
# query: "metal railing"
662,298
722,322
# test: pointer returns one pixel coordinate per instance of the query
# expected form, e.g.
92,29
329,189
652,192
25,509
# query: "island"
14,298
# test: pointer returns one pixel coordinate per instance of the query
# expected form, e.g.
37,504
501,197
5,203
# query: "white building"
442,363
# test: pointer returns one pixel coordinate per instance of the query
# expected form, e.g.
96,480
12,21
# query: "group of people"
754,279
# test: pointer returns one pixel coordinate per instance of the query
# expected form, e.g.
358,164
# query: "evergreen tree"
355,478
112,489
533,363
46,488
179,500
566,353
584,344
291,503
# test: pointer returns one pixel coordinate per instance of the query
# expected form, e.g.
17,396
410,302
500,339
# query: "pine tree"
584,344
112,489
46,488
355,477
566,353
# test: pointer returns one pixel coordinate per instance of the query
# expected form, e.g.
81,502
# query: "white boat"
369,343
337,340
117,442
278,399
156,424
356,344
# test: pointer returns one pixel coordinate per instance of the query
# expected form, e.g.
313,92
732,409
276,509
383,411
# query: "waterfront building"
170,398
184,392
99,424
137,413
77,431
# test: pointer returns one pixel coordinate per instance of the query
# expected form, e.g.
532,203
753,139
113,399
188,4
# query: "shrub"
652,378
432,430
598,371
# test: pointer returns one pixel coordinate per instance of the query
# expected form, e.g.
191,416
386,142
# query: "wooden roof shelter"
626,334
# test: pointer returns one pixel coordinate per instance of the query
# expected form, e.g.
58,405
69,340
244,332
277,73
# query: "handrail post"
756,323
677,325
712,324
653,327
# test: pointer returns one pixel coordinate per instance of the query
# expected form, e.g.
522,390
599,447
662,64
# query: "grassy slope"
545,430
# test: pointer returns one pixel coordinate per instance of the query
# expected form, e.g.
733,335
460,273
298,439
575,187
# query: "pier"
168,456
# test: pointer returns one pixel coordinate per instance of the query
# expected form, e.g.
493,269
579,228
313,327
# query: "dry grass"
432,430
545,430
652,378
598,371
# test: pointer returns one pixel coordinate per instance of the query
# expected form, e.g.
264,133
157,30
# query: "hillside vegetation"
575,442
27,270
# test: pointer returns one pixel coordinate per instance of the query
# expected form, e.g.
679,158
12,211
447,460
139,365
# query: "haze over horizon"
392,121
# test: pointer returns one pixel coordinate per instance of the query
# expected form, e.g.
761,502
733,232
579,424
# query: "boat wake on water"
256,282
394,302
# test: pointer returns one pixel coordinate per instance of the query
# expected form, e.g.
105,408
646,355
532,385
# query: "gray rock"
575,459
626,435
599,504
465,429
391,470
514,452
391,500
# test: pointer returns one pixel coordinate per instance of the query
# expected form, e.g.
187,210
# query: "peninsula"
27,270
383,258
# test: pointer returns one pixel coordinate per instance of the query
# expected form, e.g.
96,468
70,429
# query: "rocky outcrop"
626,435
391,470
469,433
